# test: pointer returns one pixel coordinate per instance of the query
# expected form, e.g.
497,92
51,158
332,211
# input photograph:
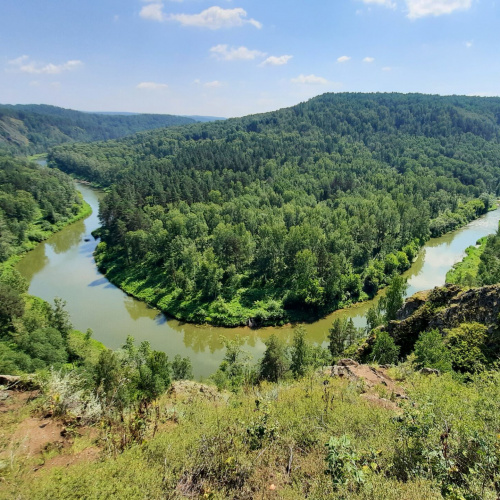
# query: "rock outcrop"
442,308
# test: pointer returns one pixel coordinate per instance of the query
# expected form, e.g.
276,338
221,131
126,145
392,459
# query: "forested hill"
304,209
29,129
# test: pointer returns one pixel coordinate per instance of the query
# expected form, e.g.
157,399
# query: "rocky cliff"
442,308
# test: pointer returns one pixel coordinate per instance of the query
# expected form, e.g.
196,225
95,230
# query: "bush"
467,345
431,352
385,351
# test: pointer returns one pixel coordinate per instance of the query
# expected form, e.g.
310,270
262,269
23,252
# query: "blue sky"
232,57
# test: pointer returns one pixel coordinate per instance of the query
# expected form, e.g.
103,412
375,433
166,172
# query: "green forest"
291,214
213,234
33,128
34,202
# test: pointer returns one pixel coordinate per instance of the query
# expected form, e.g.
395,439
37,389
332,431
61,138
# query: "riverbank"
42,235
252,307
465,271
63,266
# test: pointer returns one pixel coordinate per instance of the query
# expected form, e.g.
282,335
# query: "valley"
63,266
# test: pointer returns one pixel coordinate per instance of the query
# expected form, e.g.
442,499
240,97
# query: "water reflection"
34,262
63,241
64,267
136,309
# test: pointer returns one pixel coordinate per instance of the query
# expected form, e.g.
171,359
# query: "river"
63,266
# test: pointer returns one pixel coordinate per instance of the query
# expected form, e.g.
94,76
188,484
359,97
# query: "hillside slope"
290,214
30,129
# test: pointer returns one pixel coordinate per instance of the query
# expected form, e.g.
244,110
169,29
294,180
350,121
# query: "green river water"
63,266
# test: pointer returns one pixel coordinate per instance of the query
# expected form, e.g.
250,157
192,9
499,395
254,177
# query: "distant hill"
33,128
199,118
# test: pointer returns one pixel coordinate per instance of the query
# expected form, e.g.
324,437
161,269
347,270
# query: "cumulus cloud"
343,59
368,59
209,85
153,11
25,65
422,8
152,86
213,18
226,53
276,60
310,80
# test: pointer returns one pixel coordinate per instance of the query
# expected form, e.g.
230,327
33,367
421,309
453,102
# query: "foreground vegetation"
290,214
315,437
282,428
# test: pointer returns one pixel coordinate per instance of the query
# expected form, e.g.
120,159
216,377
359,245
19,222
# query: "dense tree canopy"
34,202
29,129
275,216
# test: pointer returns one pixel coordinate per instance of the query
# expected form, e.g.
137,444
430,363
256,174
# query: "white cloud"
343,59
153,11
422,8
383,3
213,85
152,86
214,18
225,53
209,85
310,80
369,59
25,65
469,44
386,68
276,60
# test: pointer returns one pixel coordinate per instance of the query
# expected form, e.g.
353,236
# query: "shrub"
431,352
385,351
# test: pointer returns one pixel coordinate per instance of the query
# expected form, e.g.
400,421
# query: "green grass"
89,349
227,446
465,271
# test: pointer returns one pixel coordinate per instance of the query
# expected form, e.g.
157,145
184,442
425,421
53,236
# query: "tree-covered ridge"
34,202
304,209
30,129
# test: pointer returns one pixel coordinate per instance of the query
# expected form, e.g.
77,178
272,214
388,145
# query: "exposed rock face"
443,308
430,371
412,304
17,383
368,379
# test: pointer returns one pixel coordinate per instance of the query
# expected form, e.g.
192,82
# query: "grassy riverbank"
39,234
465,271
